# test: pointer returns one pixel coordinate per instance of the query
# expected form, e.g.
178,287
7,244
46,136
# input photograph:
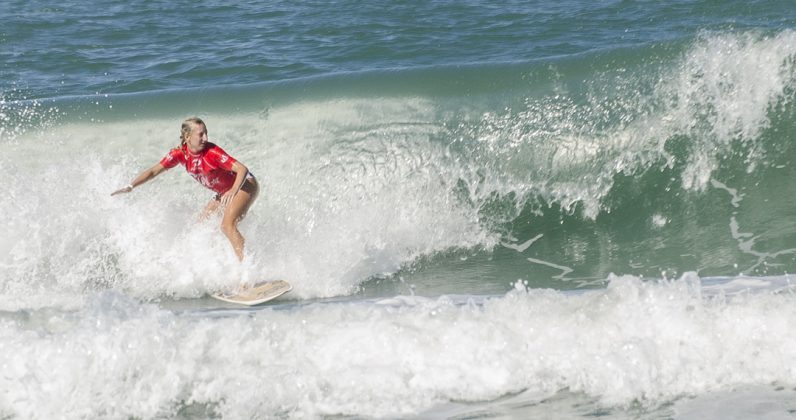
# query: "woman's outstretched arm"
144,176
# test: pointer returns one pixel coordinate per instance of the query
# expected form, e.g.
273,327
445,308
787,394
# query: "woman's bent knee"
228,228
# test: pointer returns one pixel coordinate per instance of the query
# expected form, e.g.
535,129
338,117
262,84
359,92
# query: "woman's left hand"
227,197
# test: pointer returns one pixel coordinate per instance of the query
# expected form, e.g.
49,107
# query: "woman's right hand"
144,176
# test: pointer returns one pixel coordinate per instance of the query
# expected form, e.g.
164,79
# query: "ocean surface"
536,209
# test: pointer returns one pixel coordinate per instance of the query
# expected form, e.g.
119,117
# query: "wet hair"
187,127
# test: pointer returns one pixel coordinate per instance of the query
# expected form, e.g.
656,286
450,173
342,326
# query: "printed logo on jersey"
224,158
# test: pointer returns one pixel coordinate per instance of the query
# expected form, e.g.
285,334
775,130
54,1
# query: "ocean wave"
366,174
635,342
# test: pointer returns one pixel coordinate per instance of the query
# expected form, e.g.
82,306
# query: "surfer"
235,187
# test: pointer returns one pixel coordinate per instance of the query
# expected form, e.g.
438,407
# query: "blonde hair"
187,127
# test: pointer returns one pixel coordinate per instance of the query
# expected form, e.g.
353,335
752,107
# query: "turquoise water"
522,209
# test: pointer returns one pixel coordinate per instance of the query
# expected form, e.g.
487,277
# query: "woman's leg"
236,211
210,209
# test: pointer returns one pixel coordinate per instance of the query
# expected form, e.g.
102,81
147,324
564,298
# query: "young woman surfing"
235,187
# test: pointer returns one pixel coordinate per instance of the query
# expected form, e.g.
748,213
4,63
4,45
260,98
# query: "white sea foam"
634,342
350,189
567,147
724,91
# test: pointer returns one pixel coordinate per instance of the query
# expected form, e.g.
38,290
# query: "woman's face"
197,139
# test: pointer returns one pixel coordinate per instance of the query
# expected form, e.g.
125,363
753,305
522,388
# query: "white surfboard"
260,293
